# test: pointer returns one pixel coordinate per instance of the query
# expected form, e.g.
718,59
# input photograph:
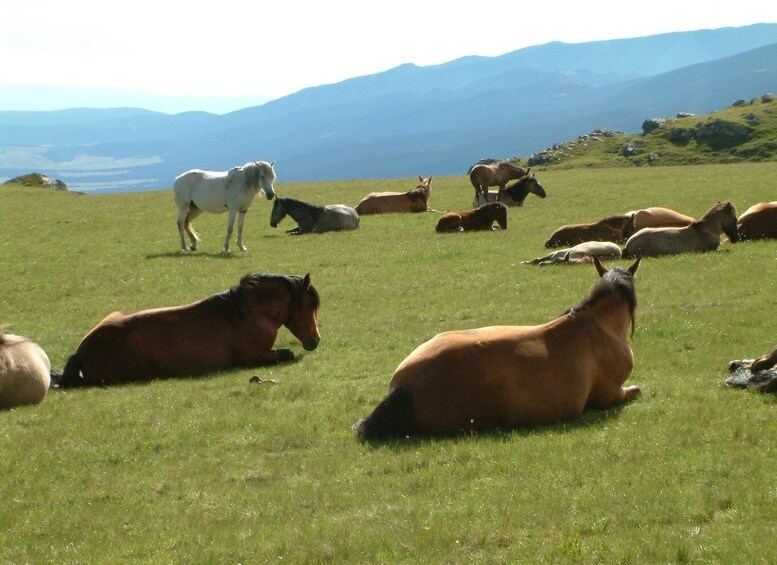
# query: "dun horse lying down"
236,328
479,219
579,254
510,376
416,200
758,221
25,371
613,228
656,217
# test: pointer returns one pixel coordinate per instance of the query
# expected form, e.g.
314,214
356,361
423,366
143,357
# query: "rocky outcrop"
560,150
38,180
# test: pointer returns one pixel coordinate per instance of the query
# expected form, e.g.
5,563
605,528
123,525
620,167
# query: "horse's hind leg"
241,218
183,213
230,226
193,213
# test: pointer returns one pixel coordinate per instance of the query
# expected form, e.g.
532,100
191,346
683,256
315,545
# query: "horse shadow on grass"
192,255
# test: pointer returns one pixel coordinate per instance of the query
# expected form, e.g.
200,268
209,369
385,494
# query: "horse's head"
729,225
278,212
523,186
501,215
265,177
621,223
302,320
619,279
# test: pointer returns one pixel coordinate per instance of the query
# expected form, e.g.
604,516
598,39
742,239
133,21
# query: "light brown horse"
612,228
479,219
759,221
579,254
701,236
495,174
236,328
513,195
25,371
510,376
656,217
416,200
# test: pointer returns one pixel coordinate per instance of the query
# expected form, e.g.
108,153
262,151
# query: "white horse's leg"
193,213
241,218
230,225
182,213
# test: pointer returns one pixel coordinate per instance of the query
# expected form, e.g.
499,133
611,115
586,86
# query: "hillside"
744,131
407,121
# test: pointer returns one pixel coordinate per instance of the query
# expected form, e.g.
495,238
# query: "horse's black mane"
233,300
314,210
616,279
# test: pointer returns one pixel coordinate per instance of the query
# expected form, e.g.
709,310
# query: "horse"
197,191
513,376
701,236
656,217
481,218
416,200
515,194
494,174
313,219
615,228
235,328
579,254
758,221
25,371
766,365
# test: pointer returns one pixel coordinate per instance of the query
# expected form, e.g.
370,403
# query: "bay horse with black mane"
236,328
494,174
479,219
512,376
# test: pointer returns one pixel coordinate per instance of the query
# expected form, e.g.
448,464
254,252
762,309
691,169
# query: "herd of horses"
467,380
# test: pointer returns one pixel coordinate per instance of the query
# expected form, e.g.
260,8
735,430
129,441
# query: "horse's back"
338,217
659,217
25,372
205,189
653,242
759,221
384,202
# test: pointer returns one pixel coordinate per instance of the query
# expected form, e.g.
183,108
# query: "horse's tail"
392,418
70,376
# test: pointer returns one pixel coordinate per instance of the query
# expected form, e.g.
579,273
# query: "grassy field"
217,470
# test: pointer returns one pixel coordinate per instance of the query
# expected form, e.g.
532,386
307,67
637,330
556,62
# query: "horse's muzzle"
311,343
269,195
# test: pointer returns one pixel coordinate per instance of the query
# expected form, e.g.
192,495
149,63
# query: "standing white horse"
25,371
199,191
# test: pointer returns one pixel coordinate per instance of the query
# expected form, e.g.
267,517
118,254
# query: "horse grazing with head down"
479,219
199,191
416,200
612,228
513,195
510,376
25,371
701,236
236,328
494,174
758,221
313,219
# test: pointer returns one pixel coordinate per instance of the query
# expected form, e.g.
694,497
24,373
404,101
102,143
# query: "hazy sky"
242,48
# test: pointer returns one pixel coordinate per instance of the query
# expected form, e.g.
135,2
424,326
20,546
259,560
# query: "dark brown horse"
759,221
416,200
236,328
513,195
510,376
482,218
495,174
612,228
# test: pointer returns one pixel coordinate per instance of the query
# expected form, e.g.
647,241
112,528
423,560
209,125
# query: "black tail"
392,418
70,376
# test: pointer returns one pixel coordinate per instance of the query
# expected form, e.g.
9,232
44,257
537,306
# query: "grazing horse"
482,218
612,228
701,236
510,376
416,200
236,328
656,217
25,371
495,174
515,194
199,191
758,221
313,219
579,254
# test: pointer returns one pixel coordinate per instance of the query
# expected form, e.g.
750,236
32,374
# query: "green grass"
216,470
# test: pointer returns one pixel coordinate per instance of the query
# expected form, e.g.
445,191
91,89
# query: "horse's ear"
306,281
420,179
599,267
272,164
635,266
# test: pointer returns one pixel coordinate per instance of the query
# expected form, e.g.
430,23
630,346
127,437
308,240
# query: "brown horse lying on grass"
416,200
236,328
613,228
510,376
758,221
656,217
763,363
482,218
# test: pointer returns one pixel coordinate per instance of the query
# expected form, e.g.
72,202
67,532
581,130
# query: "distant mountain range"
407,121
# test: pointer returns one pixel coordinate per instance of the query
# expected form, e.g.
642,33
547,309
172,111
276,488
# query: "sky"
274,48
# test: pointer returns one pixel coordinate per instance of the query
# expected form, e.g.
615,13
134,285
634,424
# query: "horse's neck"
611,314
519,193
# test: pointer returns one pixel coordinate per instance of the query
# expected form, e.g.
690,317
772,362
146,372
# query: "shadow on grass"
193,255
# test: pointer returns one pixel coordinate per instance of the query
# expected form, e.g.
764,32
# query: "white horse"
25,371
199,191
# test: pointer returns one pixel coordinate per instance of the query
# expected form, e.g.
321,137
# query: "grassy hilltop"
217,470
